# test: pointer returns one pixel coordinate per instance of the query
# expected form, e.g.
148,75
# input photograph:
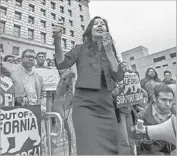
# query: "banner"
7,90
50,78
129,90
20,131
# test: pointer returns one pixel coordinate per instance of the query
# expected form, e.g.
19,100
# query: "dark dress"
95,122
94,117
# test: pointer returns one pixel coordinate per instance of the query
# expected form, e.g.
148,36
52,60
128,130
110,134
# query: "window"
43,37
173,55
18,3
174,62
70,12
16,30
61,0
159,59
43,12
82,18
43,2
64,30
80,7
53,16
72,33
3,11
31,20
43,23
69,2
53,5
63,19
15,50
2,26
64,43
1,48
164,65
61,9
83,27
132,58
30,34
158,67
133,67
18,15
71,22
72,44
52,25
53,39
31,8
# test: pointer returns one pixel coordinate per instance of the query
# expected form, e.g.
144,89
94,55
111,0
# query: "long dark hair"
155,77
87,37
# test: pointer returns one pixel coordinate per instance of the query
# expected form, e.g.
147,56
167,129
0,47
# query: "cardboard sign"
129,90
50,78
7,91
20,129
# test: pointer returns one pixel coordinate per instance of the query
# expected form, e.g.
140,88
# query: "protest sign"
7,90
50,78
20,129
129,90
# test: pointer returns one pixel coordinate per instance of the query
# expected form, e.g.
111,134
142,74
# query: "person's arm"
70,58
63,61
42,101
117,71
59,55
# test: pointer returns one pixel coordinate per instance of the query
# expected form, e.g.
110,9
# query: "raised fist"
58,29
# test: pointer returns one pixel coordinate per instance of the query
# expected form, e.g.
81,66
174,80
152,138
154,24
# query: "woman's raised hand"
58,29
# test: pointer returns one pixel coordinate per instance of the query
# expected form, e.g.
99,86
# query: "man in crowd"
9,58
125,120
41,58
168,78
62,103
28,84
157,112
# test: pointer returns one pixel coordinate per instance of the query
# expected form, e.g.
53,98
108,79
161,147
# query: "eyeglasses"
30,56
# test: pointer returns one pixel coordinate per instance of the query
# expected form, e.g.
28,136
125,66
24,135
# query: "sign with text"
50,78
20,129
129,90
7,91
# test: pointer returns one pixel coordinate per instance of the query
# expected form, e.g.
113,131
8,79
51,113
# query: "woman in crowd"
97,65
149,82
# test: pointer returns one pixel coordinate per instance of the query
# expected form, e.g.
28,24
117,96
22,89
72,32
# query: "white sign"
50,78
20,124
129,90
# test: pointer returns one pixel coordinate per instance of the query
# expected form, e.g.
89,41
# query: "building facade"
27,24
139,60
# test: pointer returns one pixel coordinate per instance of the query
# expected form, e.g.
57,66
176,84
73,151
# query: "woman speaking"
98,68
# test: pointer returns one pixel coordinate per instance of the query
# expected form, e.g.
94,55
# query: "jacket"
19,85
147,86
89,68
168,82
157,146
